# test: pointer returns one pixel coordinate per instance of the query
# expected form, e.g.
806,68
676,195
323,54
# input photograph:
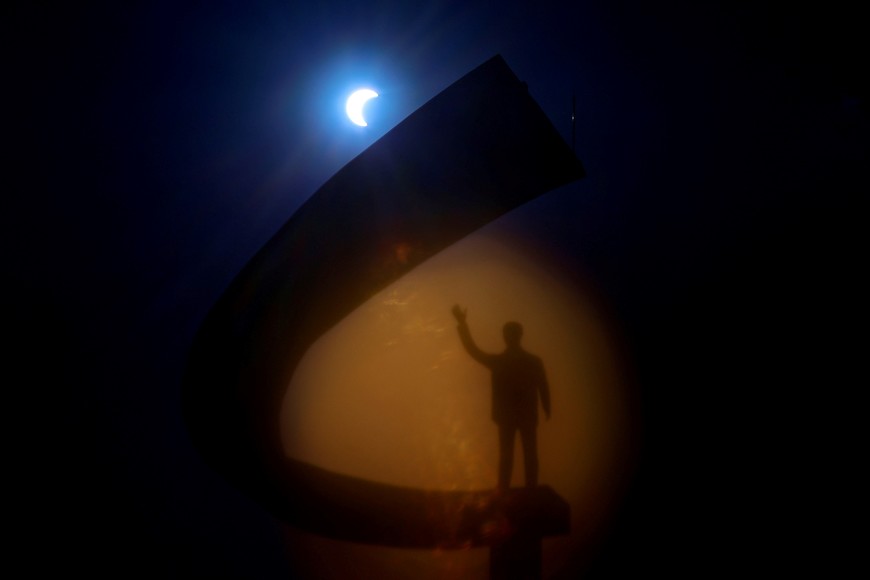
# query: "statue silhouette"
518,379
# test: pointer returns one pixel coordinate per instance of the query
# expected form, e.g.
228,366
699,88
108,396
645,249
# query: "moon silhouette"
355,103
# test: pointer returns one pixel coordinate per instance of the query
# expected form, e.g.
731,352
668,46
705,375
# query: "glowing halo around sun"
355,103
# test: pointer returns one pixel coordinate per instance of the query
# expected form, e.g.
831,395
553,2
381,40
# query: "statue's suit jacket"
518,379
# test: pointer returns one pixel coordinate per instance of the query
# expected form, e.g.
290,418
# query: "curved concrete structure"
477,150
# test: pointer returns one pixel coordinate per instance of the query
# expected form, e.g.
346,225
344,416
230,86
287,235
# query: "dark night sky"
156,147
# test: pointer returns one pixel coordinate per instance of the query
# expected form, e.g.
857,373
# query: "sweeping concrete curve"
477,150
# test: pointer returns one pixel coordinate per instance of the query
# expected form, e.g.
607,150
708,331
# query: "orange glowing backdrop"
390,395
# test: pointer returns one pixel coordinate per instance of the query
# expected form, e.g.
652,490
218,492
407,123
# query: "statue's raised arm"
483,358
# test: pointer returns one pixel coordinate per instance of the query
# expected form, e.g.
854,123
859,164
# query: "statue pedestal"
513,523
518,558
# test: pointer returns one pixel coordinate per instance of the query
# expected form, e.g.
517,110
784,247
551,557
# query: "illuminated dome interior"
390,395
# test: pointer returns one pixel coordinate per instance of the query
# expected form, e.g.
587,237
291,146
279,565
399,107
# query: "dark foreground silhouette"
518,380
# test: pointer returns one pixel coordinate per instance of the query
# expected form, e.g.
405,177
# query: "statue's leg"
506,435
529,435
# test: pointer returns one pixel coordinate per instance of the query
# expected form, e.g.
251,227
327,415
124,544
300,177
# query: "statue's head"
513,332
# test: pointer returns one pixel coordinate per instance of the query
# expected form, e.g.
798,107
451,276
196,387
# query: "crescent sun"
355,103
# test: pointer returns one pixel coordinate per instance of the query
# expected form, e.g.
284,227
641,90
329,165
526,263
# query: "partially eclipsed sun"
355,103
